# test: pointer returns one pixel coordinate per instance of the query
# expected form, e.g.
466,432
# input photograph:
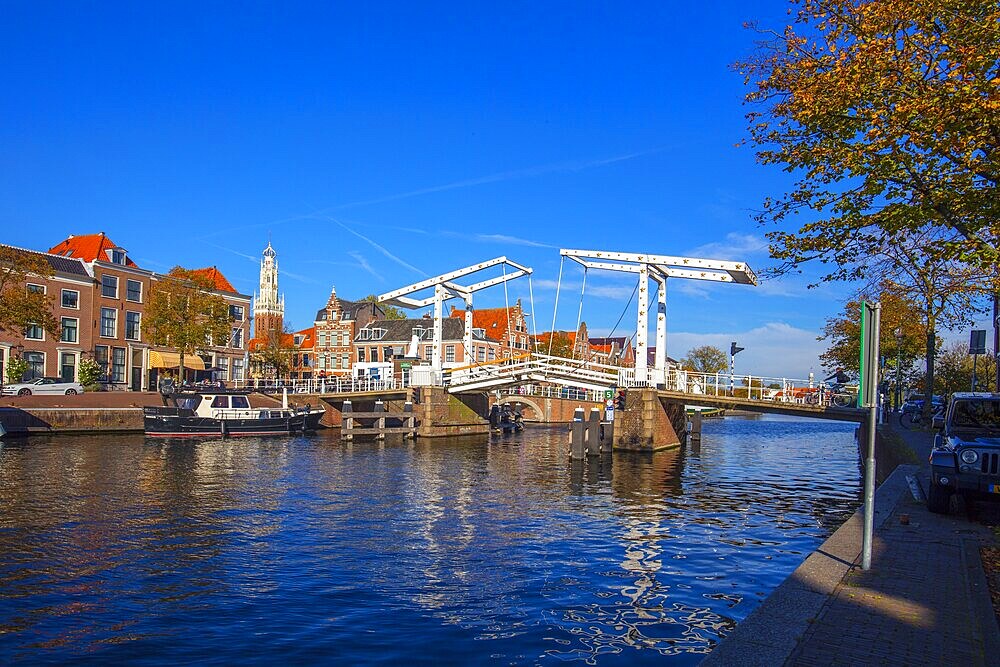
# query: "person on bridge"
839,377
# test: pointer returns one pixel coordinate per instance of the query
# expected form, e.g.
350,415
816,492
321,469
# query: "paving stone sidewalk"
924,602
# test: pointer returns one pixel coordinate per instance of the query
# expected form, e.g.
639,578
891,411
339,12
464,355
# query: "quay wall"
70,420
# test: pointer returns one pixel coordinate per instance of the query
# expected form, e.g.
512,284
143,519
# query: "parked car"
43,386
966,455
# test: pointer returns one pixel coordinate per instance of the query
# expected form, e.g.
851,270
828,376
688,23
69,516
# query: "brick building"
507,326
71,288
336,326
384,340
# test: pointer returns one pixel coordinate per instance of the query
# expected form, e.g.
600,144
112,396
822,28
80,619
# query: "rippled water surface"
119,548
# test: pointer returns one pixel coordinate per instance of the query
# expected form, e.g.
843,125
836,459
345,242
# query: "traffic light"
733,349
620,400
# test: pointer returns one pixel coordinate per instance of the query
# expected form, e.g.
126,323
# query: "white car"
43,386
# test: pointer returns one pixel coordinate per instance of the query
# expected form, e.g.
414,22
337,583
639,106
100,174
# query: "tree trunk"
929,377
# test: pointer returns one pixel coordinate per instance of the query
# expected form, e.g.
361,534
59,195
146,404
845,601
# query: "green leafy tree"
843,332
184,313
19,306
391,312
888,115
16,368
273,355
706,359
90,372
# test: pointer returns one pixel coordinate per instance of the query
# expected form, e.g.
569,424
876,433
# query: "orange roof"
308,339
219,280
89,247
494,321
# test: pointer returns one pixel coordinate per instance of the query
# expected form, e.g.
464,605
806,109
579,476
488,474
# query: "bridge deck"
770,407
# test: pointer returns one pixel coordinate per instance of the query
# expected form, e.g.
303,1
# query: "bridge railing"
552,391
333,385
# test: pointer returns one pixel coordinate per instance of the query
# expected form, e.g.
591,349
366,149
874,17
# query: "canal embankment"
925,601
108,412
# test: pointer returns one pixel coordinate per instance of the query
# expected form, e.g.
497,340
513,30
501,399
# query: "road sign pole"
868,391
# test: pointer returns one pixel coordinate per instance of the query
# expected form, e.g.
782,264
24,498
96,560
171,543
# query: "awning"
173,360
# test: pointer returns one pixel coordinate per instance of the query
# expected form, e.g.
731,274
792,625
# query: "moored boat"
226,413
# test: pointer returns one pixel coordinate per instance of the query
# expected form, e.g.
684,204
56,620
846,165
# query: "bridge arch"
538,413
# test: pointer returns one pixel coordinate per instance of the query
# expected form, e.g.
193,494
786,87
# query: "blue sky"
379,143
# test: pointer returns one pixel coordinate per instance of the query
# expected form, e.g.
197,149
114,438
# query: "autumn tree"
21,307
184,313
887,113
956,366
272,354
706,359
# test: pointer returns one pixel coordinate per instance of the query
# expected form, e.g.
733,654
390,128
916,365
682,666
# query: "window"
132,325
118,364
240,402
237,369
36,289
345,360
361,354
481,354
374,353
428,351
34,332
322,362
387,353
346,341
237,338
109,322
491,354
223,372
220,402
109,286
236,312
118,256
36,365
67,367
449,353
133,291
321,339
102,359
305,360
70,299
70,327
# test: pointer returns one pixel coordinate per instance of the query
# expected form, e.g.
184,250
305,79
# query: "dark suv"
966,454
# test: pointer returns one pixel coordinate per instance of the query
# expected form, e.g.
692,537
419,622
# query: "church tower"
268,307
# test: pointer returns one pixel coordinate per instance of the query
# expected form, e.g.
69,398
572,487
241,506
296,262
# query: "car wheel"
24,392
71,392
939,499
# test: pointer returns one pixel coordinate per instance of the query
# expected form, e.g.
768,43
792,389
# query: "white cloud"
735,247
511,240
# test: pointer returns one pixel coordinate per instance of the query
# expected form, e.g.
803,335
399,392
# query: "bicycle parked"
834,394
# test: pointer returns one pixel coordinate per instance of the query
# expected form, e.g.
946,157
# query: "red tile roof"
88,247
308,339
494,321
219,280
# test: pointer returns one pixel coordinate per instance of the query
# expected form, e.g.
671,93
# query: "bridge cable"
579,317
506,303
555,308
534,324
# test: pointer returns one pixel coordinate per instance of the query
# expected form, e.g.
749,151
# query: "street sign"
609,403
868,386
977,341
609,394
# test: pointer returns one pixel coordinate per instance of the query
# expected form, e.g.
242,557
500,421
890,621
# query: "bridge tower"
445,288
658,268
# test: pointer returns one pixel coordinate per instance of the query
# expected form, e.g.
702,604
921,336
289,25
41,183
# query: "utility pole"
733,351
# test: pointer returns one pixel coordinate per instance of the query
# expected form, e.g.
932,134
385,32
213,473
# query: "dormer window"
298,340
479,333
118,256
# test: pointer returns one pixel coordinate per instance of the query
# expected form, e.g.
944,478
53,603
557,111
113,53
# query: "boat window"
240,402
189,403
220,402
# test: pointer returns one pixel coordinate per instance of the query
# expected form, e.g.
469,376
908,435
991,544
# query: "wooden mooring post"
589,438
353,424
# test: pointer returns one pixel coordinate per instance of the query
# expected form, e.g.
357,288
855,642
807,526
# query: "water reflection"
506,551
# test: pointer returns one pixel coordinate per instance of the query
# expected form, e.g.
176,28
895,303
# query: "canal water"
126,549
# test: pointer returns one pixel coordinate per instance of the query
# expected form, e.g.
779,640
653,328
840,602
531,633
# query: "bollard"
347,422
594,433
577,432
284,398
409,420
695,433
380,424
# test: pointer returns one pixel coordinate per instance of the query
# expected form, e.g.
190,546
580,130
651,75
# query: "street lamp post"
899,355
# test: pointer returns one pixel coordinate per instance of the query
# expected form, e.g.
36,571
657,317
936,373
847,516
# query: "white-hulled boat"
227,413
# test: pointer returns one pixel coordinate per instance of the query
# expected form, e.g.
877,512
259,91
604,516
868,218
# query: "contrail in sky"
378,247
